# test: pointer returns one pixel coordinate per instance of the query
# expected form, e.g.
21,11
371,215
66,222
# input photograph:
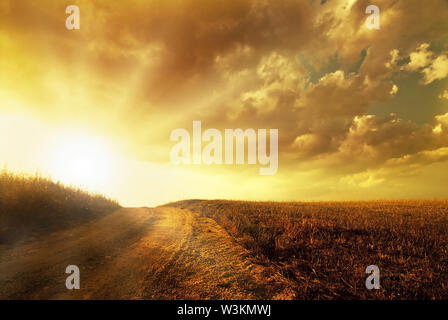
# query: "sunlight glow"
82,161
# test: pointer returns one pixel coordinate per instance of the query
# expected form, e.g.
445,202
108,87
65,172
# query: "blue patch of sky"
414,101
332,64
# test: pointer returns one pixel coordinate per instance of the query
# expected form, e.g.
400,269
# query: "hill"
33,205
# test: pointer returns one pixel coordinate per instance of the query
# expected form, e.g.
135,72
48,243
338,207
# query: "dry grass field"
33,205
224,249
325,247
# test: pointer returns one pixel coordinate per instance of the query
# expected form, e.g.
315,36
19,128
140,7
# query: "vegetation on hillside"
33,205
325,247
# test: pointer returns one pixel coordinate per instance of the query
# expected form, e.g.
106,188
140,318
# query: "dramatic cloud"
432,67
136,70
444,95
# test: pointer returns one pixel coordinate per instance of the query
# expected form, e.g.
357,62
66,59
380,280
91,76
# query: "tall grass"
325,247
33,205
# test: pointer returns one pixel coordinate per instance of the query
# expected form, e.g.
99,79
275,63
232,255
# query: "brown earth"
142,253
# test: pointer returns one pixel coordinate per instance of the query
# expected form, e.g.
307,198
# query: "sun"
83,161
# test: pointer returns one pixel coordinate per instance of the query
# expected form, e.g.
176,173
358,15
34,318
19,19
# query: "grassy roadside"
32,206
325,247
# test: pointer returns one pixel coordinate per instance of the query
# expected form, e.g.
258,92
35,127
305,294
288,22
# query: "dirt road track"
159,253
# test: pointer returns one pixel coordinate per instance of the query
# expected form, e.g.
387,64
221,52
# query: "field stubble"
325,247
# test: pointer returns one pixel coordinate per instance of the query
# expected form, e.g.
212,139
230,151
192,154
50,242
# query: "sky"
361,113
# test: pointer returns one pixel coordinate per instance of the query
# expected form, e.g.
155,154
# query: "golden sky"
361,114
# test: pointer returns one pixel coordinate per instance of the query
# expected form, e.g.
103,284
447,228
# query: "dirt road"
158,253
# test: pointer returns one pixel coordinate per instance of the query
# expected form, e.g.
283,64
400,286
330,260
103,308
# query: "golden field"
33,205
325,247
302,250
